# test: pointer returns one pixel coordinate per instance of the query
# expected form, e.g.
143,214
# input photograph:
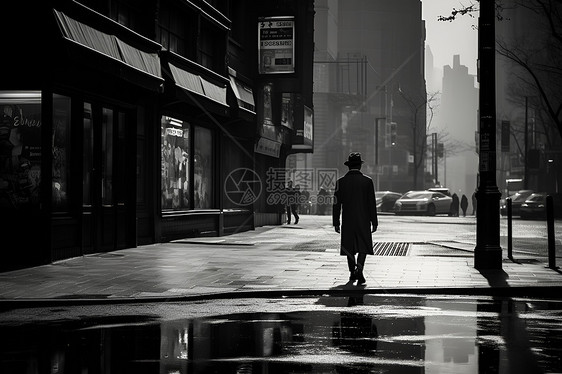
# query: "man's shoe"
297,221
360,278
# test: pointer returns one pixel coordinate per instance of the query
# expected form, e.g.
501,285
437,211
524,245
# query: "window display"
180,189
20,149
175,164
202,168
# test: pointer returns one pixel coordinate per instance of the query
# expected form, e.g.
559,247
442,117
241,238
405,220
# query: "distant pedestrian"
321,201
305,202
296,207
454,209
474,203
354,198
464,204
291,204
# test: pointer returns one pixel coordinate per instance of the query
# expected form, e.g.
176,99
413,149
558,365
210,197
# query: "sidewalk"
273,260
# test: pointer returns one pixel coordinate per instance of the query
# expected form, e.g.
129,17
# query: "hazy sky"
450,38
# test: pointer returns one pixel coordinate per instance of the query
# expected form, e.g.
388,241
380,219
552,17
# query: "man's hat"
354,159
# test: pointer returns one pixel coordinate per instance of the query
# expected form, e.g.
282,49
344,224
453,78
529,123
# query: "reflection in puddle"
365,334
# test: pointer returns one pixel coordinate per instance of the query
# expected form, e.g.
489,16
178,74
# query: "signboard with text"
276,45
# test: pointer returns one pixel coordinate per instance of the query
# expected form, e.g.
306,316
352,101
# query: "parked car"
423,202
443,190
386,200
517,199
534,206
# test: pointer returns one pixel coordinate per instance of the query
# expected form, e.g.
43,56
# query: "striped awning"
244,95
109,45
196,84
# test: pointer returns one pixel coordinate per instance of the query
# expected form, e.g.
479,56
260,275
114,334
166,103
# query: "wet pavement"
360,333
278,300
435,255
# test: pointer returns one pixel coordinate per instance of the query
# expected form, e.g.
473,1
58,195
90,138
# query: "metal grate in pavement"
391,249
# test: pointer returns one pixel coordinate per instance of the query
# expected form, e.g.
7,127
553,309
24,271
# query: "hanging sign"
276,45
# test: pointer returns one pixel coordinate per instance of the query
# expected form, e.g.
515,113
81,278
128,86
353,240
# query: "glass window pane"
203,169
61,152
175,151
20,149
87,157
121,160
107,157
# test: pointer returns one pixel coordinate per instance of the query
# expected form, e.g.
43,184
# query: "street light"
377,139
487,253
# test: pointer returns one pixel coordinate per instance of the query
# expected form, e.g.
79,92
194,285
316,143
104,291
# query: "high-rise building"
369,80
531,137
459,116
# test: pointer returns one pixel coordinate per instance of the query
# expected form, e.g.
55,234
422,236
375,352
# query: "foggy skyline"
447,39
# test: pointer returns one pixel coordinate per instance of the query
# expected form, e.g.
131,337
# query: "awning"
187,80
244,95
109,45
198,85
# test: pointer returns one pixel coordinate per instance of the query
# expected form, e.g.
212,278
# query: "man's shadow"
349,286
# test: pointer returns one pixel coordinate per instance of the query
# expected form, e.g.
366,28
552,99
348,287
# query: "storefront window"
87,155
107,156
175,149
202,168
20,149
61,152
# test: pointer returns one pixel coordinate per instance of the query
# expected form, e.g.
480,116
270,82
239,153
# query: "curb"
527,291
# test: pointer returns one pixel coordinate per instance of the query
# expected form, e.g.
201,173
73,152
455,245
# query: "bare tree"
417,104
539,60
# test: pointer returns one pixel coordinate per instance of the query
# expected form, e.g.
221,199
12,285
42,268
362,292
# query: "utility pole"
435,159
377,149
526,158
487,253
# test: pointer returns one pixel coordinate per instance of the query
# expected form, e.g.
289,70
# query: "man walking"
354,198
292,196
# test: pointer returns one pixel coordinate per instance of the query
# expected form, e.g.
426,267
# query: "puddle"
362,334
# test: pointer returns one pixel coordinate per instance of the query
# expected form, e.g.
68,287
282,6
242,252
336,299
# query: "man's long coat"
355,198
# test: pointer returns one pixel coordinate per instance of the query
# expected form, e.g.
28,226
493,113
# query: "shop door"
107,208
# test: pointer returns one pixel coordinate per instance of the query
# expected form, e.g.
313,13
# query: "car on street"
423,202
386,200
443,190
534,206
517,199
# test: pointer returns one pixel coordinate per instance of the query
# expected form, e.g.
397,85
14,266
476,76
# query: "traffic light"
393,129
440,150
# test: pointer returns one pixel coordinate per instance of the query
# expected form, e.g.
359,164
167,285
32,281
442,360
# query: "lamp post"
435,159
377,148
377,139
487,253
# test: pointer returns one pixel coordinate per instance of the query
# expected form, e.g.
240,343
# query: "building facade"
369,93
459,115
137,120
529,136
